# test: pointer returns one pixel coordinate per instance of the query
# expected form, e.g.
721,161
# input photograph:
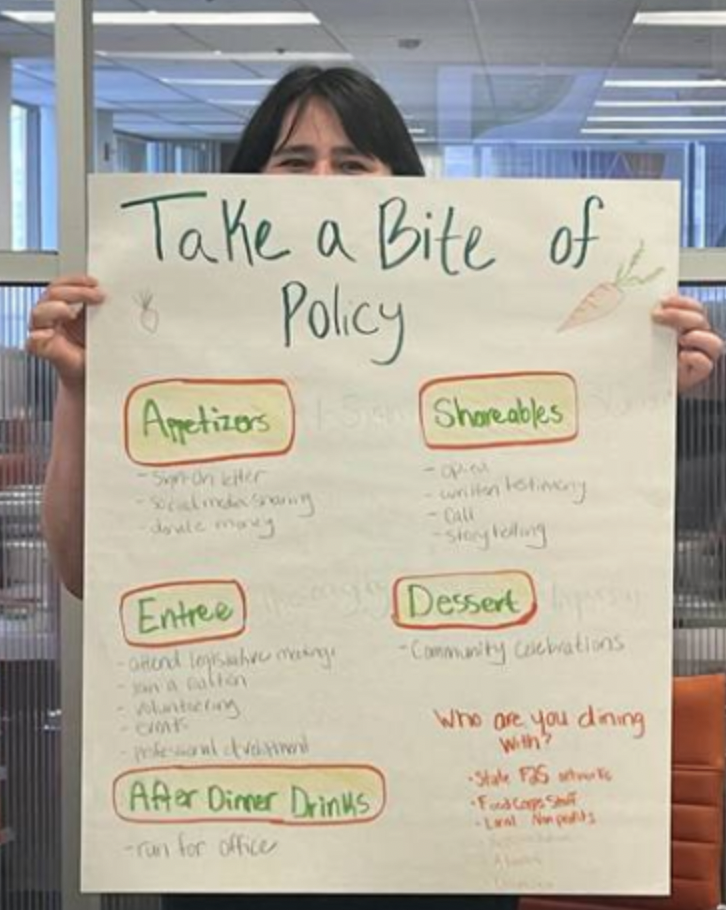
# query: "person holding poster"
313,122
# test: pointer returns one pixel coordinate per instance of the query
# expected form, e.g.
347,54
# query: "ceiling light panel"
252,57
233,102
186,20
646,131
683,19
661,104
171,68
122,120
205,115
665,83
207,82
641,119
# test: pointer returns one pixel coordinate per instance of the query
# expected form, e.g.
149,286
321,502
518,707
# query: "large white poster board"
379,533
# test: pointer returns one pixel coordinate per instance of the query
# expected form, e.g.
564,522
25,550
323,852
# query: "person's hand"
58,325
699,347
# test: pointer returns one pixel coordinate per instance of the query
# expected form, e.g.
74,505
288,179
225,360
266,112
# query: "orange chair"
697,832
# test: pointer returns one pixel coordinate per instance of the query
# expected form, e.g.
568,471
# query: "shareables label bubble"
499,409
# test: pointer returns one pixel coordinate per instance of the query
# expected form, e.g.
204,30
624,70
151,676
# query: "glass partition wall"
490,89
30,775
700,555
30,706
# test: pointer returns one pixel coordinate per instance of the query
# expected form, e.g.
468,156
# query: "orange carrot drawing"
149,315
608,295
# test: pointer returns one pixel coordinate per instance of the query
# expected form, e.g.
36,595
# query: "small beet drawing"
149,315
608,295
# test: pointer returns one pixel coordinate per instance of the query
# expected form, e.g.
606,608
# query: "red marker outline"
277,820
520,621
496,445
235,633
272,453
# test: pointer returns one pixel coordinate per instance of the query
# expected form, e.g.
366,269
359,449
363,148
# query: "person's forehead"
313,113
309,148
314,124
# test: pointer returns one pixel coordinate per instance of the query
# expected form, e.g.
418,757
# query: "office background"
615,89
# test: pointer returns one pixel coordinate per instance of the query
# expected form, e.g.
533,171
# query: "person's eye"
293,164
354,166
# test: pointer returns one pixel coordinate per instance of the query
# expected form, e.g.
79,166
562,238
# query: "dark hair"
368,115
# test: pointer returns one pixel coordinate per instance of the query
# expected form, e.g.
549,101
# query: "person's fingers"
50,313
694,367
57,325
707,343
682,319
680,301
77,279
64,354
38,339
699,347
73,293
